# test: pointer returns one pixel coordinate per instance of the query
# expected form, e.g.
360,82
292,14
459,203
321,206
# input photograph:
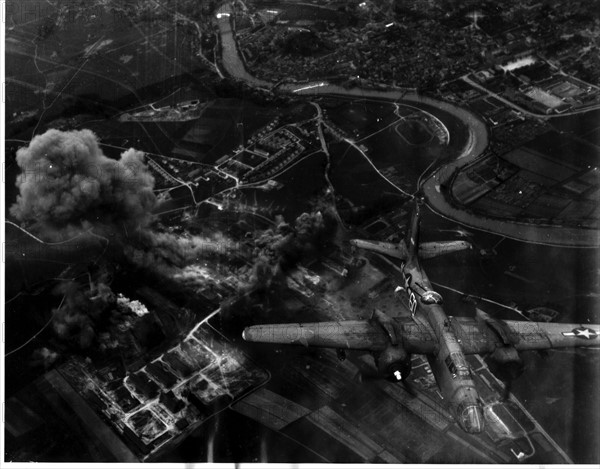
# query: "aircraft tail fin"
412,234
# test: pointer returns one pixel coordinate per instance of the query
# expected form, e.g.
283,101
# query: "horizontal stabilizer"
398,251
439,248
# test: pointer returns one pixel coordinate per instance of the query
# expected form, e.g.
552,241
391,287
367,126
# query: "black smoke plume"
84,308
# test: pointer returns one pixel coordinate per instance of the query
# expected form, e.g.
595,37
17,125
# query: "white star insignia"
582,332
585,333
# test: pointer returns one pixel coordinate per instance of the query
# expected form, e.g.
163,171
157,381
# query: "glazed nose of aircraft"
472,419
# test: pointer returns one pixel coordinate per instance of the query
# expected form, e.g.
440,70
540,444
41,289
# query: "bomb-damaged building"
128,335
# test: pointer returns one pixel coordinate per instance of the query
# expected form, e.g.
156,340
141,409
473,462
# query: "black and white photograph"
300,232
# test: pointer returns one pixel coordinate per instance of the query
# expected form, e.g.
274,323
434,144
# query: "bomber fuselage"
448,362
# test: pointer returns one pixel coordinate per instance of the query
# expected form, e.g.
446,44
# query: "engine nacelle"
506,363
394,363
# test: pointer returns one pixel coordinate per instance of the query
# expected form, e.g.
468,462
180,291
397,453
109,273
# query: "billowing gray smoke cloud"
169,254
67,185
277,252
281,249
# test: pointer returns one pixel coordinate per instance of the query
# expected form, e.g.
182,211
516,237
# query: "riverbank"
434,186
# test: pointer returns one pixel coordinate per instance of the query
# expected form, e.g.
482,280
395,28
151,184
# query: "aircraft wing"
416,336
356,335
352,335
483,337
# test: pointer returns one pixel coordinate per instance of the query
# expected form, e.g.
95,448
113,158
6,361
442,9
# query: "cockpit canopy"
471,418
431,297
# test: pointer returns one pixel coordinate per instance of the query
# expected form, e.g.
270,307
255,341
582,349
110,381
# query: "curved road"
475,146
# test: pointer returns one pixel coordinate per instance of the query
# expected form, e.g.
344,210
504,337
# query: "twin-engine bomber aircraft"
444,340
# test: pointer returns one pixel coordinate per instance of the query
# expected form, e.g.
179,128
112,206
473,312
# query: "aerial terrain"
177,171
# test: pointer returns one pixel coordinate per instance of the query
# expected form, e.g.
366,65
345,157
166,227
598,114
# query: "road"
476,144
522,110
